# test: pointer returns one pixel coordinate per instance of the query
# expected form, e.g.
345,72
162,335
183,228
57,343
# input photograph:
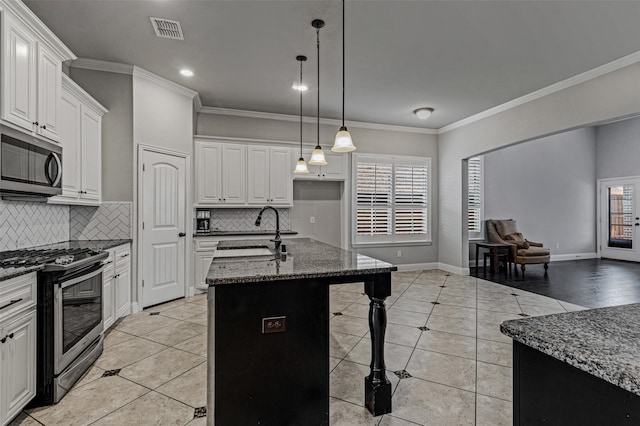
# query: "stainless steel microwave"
29,166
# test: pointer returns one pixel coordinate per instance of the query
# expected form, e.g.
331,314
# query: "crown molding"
75,89
98,65
161,81
329,121
22,12
197,103
620,63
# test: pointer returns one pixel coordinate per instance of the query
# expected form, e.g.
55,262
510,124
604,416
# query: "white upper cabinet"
220,174
270,180
336,168
31,72
18,73
81,137
49,92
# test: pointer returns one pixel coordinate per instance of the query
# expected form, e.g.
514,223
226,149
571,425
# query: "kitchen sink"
244,252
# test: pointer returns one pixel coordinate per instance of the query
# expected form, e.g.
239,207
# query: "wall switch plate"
399,253
274,325
312,219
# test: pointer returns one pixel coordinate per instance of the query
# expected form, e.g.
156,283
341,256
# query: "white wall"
618,148
549,186
595,101
372,141
114,92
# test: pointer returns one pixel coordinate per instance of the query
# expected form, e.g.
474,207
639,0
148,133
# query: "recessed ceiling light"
300,87
423,113
186,73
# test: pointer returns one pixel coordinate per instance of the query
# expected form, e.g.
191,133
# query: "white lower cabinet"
204,250
116,288
17,345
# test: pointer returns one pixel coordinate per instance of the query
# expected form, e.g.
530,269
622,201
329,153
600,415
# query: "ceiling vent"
167,28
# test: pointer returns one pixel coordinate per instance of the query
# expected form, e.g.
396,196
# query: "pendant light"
301,165
317,156
343,141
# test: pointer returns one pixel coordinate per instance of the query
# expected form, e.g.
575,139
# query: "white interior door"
164,227
620,219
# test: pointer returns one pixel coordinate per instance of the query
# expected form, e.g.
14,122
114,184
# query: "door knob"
637,224
182,234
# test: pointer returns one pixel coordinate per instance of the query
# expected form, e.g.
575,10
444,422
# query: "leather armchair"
523,251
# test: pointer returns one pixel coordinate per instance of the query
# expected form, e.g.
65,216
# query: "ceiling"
459,57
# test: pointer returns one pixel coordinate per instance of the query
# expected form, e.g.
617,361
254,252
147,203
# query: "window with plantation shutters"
475,211
391,199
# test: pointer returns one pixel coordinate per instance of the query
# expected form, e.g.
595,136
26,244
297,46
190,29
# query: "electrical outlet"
399,253
557,245
312,219
274,325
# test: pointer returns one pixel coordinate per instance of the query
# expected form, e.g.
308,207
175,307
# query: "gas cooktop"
54,259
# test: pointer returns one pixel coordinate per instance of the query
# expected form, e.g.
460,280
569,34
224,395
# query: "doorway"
620,218
162,213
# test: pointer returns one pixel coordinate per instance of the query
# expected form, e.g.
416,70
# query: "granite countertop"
7,273
604,342
240,233
305,258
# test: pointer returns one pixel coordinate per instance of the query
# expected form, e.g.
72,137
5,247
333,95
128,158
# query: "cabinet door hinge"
142,225
143,167
142,283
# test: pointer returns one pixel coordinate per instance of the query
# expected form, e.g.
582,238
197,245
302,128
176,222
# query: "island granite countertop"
603,342
305,258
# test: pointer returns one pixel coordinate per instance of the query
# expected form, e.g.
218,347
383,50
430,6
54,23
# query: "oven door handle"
92,274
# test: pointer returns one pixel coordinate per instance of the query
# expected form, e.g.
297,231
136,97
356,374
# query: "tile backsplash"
28,224
244,220
109,221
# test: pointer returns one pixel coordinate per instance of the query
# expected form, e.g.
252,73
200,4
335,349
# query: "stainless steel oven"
70,328
77,314
29,166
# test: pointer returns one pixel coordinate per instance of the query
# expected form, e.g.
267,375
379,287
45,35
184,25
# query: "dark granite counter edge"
7,274
611,375
240,233
287,277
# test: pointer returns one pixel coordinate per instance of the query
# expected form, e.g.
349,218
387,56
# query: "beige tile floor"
442,334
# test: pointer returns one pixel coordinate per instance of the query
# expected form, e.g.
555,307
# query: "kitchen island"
268,343
577,368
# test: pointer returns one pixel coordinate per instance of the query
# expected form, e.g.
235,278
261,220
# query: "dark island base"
282,378
550,392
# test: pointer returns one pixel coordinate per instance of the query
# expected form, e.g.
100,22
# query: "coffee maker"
203,218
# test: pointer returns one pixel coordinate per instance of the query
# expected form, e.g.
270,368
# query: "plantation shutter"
475,196
411,195
374,191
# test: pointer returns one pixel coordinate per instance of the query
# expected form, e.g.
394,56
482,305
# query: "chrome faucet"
277,240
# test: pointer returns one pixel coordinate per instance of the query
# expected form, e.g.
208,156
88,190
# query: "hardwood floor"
593,283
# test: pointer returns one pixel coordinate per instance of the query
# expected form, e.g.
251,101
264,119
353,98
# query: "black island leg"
377,388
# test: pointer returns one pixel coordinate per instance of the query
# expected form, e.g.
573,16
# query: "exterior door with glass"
620,218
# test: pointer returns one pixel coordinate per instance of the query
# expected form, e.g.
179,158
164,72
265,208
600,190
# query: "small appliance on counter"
203,218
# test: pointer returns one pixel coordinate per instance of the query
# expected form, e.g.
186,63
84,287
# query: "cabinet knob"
35,123
4,339
43,127
11,336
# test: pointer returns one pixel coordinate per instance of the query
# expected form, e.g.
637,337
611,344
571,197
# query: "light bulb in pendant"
317,157
301,167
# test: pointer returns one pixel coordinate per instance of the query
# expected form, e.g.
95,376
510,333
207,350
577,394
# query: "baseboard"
453,269
573,256
417,266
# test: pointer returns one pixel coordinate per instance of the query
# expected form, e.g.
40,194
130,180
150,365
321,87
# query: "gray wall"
601,99
114,92
618,148
322,201
371,141
549,186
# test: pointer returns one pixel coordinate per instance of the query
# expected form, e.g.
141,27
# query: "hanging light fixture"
317,156
343,141
301,165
